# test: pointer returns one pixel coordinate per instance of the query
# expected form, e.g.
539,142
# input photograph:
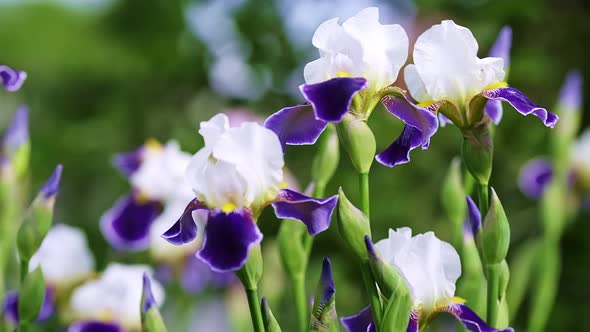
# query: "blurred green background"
106,75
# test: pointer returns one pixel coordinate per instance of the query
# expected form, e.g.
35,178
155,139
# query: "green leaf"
270,322
31,296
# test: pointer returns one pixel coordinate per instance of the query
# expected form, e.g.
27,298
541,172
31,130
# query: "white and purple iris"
430,267
112,302
448,78
234,176
536,175
11,80
158,195
358,59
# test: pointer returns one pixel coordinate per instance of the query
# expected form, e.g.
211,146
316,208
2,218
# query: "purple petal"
473,216
327,282
197,275
570,96
17,133
534,178
228,238
126,225
359,322
470,320
95,326
315,213
11,79
296,125
494,110
398,152
331,99
185,229
443,120
422,118
522,104
413,324
10,306
147,297
129,162
502,45
51,187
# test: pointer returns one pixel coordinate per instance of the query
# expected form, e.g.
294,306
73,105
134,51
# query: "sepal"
31,296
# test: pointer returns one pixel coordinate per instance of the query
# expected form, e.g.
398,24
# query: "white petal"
430,266
415,84
116,294
446,59
317,71
211,130
64,256
331,39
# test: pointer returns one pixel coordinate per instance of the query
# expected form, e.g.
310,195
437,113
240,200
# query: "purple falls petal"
502,45
398,152
570,96
473,216
10,306
413,324
95,326
421,125
296,125
129,162
331,99
470,320
17,133
185,229
534,178
147,298
494,110
126,225
522,104
315,213
11,79
51,187
228,238
359,322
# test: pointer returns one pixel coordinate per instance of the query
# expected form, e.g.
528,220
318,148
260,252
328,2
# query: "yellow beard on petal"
496,85
153,144
342,73
228,207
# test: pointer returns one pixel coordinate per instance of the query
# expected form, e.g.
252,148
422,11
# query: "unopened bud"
353,226
477,151
327,157
359,141
494,237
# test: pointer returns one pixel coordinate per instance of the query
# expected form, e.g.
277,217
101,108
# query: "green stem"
301,302
493,279
483,198
255,311
365,199
371,288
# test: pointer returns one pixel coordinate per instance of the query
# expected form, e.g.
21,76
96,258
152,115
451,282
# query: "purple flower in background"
10,79
95,326
351,65
17,133
234,176
10,307
448,78
197,275
430,268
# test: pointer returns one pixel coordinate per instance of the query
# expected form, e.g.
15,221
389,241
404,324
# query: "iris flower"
10,79
234,176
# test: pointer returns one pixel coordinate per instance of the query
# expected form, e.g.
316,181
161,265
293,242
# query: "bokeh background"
105,75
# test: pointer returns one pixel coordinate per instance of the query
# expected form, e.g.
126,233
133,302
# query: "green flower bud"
31,296
494,237
291,248
326,159
390,281
270,322
353,225
477,151
359,141
151,320
251,273
396,313
323,316
504,278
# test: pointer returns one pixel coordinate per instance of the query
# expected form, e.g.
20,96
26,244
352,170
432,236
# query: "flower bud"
494,237
38,218
327,157
290,241
16,145
504,278
151,320
477,151
569,108
270,322
359,141
353,226
323,314
251,273
31,296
